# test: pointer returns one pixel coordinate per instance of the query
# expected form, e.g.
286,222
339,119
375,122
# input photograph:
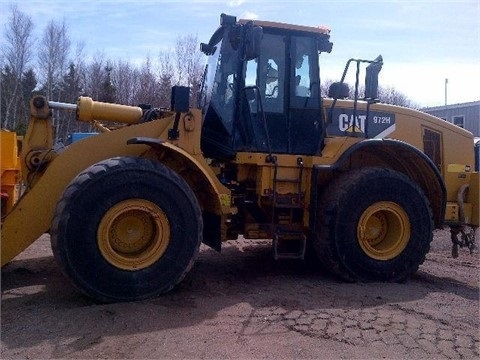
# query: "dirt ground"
243,304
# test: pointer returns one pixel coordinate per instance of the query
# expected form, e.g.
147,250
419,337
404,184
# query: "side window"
432,146
302,72
271,73
251,73
224,84
251,80
271,88
304,78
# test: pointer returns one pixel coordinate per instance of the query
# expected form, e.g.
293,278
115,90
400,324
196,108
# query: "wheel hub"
383,230
133,234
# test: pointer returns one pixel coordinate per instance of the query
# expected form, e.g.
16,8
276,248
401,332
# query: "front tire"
126,229
374,224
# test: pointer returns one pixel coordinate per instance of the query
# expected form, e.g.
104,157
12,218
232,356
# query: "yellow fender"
193,168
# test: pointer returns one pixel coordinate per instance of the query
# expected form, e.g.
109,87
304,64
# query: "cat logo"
378,125
346,123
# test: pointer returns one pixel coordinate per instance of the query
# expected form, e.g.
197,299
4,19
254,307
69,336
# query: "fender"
195,165
402,157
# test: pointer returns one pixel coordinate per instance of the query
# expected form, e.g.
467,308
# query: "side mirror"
371,78
338,90
253,41
227,20
208,49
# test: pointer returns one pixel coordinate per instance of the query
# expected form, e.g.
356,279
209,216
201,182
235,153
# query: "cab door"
304,110
265,116
281,107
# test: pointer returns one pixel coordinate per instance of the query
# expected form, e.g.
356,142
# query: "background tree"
189,64
78,78
94,75
148,85
28,85
386,95
166,79
124,78
107,90
390,95
16,56
71,90
53,53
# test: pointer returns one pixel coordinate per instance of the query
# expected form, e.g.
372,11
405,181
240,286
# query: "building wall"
470,111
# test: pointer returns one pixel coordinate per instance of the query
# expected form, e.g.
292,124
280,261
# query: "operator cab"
261,89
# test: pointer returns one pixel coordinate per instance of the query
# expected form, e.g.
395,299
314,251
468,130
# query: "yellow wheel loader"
355,186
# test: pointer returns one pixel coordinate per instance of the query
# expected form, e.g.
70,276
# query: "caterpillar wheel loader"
354,185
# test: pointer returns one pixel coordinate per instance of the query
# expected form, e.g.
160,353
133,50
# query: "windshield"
220,82
218,97
208,78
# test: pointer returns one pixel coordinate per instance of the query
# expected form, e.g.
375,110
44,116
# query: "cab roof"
278,25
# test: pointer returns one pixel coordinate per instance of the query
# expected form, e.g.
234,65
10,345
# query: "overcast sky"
422,42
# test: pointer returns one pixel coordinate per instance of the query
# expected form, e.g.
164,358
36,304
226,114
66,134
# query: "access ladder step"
291,201
289,245
286,180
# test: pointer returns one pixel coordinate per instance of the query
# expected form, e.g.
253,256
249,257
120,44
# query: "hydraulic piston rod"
62,106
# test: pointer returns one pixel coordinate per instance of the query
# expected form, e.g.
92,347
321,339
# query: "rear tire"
374,224
126,229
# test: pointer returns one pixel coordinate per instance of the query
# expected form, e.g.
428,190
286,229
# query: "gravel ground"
241,304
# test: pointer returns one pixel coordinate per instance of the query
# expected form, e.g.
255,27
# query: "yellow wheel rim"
383,231
133,234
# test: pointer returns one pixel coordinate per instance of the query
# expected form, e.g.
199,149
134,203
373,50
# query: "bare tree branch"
17,54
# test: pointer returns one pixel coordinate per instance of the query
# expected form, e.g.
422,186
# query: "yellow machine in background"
357,185
10,169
